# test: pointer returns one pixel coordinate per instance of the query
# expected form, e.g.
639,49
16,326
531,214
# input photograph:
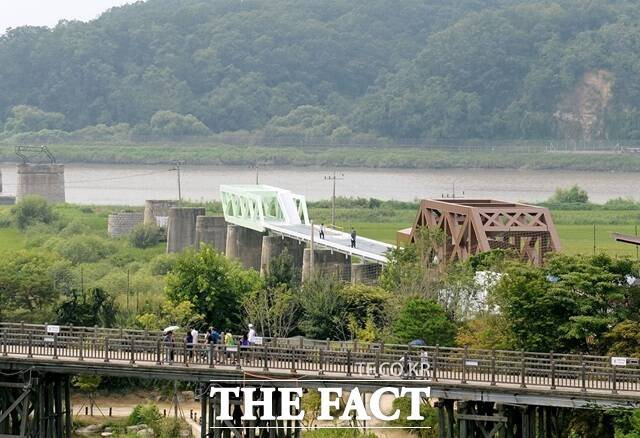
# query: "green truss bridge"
277,211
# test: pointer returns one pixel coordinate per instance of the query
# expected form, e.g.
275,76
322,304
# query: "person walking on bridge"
353,237
168,346
322,231
194,341
251,334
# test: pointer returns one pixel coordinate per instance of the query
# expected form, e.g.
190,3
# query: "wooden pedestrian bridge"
516,378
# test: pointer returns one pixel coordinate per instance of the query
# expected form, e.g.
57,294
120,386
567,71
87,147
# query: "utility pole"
333,179
128,290
452,195
312,253
176,167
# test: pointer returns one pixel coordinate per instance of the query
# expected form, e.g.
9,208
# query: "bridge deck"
339,241
458,373
246,373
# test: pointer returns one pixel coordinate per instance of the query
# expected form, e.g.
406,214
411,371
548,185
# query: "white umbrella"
171,328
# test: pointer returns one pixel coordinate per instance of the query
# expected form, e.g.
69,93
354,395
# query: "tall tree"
215,285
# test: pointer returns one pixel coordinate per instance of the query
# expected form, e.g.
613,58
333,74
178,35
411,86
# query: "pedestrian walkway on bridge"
278,211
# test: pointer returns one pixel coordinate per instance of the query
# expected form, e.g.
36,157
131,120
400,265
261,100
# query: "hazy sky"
14,13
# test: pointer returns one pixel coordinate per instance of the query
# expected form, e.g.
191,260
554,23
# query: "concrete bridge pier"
211,230
244,245
326,263
156,211
274,246
181,230
46,180
365,272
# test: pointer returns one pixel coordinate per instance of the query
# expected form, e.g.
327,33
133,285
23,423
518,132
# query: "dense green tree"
91,308
215,285
275,309
170,124
26,118
570,304
324,309
426,320
27,291
423,68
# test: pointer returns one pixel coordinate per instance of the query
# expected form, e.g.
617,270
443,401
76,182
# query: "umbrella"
171,328
417,343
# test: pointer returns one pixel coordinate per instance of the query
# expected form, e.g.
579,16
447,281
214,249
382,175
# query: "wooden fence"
299,355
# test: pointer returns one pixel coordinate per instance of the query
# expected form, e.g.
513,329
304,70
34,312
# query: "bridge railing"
299,355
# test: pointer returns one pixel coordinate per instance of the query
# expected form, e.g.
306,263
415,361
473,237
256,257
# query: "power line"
114,178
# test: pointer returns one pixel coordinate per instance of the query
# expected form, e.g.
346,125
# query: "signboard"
471,363
232,349
53,329
48,339
162,221
619,361
257,340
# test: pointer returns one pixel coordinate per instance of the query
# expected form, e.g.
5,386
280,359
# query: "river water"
114,184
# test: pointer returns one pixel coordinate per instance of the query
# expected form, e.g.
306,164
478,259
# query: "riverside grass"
342,156
576,228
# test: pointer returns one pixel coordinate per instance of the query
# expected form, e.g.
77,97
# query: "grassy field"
575,239
576,228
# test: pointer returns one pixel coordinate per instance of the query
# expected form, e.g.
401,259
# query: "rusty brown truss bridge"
472,226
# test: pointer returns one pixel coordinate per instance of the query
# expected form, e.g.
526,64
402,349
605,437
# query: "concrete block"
365,272
121,224
155,209
326,263
46,180
244,245
181,228
211,230
273,246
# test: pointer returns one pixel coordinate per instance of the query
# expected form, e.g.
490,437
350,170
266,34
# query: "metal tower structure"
472,226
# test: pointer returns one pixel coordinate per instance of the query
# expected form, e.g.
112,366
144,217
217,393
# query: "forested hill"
401,69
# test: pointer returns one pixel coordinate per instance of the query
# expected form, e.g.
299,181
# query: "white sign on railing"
257,340
53,329
619,361
471,363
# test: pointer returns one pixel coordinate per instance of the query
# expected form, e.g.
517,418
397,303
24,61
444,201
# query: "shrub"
5,220
168,123
427,428
84,249
74,228
572,195
148,414
163,263
32,209
145,235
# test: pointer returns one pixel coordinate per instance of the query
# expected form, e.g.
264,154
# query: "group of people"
211,337
354,235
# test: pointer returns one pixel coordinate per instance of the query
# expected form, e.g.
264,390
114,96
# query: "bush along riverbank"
349,156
